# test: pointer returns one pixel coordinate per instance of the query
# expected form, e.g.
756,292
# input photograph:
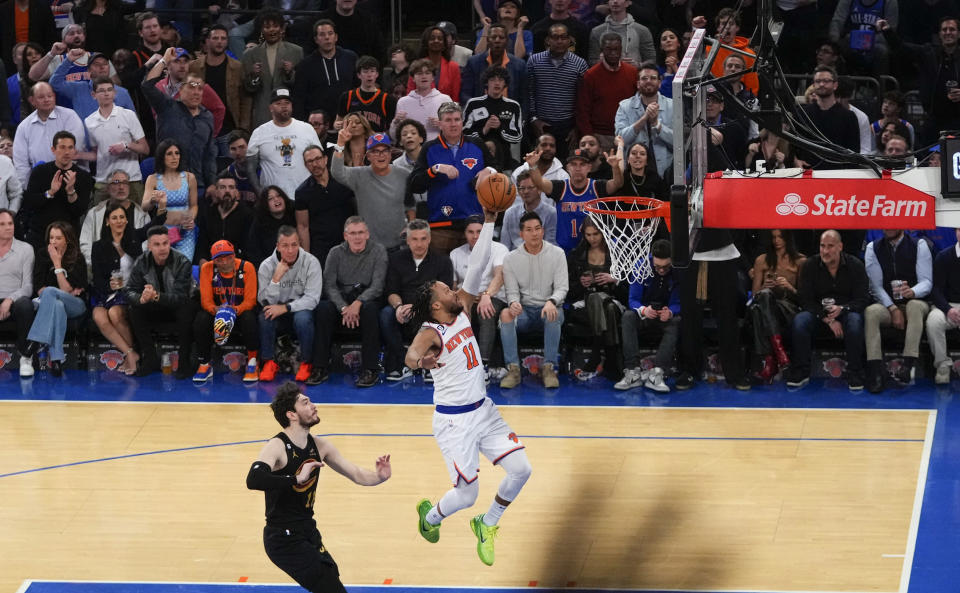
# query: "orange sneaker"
303,373
250,374
269,371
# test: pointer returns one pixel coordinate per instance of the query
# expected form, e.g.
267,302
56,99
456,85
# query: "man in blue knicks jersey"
465,422
287,471
572,194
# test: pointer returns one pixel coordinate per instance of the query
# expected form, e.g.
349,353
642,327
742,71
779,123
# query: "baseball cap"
577,154
517,3
378,138
96,55
221,248
713,91
448,27
181,53
280,94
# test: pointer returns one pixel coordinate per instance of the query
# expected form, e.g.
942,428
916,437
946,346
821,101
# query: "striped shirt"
553,87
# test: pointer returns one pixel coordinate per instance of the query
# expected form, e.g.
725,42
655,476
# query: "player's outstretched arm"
332,457
478,262
261,476
423,350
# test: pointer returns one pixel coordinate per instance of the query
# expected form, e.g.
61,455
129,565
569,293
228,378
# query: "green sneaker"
431,533
485,535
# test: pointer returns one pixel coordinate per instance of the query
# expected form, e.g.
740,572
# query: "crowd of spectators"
238,178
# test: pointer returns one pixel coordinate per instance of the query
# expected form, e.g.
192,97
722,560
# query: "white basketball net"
628,239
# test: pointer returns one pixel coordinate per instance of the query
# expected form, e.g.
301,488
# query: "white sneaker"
26,366
655,381
942,377
400,375
631,378
496,373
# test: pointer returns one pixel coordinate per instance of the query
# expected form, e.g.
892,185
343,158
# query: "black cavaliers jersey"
293,505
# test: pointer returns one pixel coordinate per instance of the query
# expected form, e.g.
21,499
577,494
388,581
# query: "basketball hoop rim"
656,208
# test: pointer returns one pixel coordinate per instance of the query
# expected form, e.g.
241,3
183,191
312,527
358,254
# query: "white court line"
918,502
499,405
26,584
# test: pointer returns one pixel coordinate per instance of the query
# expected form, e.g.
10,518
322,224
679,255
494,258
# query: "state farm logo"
792,204
828,205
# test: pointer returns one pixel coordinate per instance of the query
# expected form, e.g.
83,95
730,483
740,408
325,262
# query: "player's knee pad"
518,471
461,496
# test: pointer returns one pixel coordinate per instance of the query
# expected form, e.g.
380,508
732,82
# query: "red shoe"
776,343
769,370
269,371
303,372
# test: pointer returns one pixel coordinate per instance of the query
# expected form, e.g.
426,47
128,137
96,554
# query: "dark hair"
419,64
12,214
648,65
789,245
25,68
661,249
262,208
128,243
407,54
323,112
828,69
611,36
285,400
212,28
422,300
268,16
498,26
72,253
425,42
225,174
727,13
661,57
895,97
845,87
583,246
61,135
473,219
494,72
286,230
899,129
101,80
238,134
159,162
944,19
368,62
322,22
157,229
530,216
411,122
522,175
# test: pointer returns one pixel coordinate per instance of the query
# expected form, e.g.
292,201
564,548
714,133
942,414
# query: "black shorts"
300,553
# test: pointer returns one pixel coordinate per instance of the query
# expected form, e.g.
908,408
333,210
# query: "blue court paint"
935,568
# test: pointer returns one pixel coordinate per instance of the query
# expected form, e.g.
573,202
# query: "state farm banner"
815,203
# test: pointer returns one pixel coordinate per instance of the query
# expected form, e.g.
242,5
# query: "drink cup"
826,303
896,288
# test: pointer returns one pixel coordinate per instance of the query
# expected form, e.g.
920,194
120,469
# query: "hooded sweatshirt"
300,287
637,40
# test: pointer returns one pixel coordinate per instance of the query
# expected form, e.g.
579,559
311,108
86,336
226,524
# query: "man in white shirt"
550,167
492,298
34,137
117,136
276,147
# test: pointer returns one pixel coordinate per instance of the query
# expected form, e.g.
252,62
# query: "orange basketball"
496,192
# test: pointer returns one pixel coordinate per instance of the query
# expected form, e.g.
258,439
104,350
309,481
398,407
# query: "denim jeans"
806,325
50,324
633,325
529,320
300,322
237,38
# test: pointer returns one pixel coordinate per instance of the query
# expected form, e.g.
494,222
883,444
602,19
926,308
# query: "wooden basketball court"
632,498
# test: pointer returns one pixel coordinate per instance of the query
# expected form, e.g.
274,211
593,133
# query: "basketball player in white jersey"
465,421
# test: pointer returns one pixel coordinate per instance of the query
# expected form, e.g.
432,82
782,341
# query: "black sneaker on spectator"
317,375
855,380
427,377
368,378
684,381
797,378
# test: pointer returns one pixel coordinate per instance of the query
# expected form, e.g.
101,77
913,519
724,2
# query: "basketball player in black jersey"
287,472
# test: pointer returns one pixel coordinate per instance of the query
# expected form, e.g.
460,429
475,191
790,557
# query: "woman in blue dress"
176,191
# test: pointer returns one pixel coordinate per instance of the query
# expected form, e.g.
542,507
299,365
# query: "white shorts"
462,437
